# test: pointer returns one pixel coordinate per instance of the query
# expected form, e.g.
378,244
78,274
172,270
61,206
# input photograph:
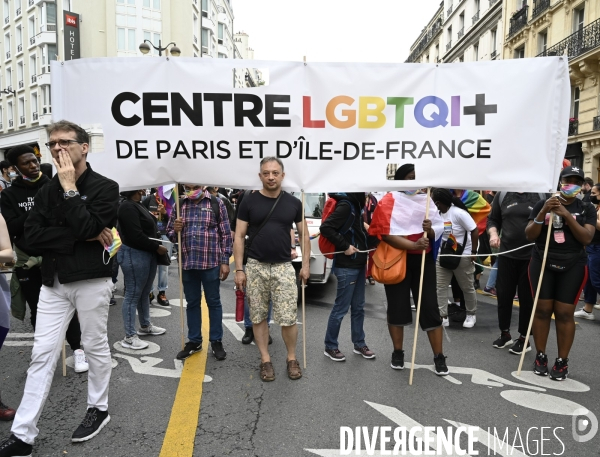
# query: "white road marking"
568,385
234,328
542,402
157,312
147,366
69,362
153,348
20,335
481,377
18,343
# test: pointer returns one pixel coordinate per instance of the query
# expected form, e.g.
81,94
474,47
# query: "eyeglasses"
61,143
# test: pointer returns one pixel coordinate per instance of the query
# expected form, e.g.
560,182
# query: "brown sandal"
267,373
293,369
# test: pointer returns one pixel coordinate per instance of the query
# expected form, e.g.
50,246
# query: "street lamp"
145,48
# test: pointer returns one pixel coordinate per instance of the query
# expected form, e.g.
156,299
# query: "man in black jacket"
70,224
16,203
344,228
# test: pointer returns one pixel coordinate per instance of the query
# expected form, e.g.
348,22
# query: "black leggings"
399,312
31,283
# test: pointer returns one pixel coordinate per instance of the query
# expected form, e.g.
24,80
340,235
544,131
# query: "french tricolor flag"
400,214
4,308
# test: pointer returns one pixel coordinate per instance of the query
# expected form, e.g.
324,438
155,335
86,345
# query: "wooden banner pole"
414,348
537,295
180,263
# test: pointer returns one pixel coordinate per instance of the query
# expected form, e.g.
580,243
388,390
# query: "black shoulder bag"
248,241
452,263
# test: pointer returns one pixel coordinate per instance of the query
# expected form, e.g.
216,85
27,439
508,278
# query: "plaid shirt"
204,243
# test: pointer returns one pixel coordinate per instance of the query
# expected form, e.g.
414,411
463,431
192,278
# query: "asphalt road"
242,416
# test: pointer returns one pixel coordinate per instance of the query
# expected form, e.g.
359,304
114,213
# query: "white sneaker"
597,306
413,306
151,330
470,321
134,342
445,322
80,361
583,314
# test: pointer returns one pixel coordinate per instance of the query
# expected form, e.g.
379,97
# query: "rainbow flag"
167,196
478,208
452,243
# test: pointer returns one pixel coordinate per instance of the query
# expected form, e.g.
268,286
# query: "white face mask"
12,175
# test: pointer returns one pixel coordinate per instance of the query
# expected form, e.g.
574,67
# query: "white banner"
498,125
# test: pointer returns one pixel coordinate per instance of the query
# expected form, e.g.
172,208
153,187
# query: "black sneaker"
218,351
476,284
270,339
540,366
504,340
560,370
189,348
14,447
441,369
151,296
334,354
248,336
93,422
162,299
398,360
112,301
517,348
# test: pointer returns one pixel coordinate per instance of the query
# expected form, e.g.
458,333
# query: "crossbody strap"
251,239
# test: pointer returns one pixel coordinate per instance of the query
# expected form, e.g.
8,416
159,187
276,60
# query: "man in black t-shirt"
269,272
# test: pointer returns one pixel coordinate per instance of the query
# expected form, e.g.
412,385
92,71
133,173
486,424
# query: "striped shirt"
204,242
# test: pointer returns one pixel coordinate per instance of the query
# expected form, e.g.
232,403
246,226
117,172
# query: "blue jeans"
350,294
592,286
491,282
139,269
163,270
193,280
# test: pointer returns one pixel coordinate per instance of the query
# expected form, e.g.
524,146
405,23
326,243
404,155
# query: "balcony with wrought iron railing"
18,12
493,2
476,17
461,33
21,84
596,124
573,126
10,123
30,2
33,79
19,48
518,20
429,36
34,116
7,55
539,6
449,12
22,120
494,54
32,40
578,43
6,20
448,45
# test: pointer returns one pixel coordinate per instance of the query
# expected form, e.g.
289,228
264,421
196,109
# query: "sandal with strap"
293,369
267,373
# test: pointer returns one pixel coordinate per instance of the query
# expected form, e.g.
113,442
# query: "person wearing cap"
572,223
